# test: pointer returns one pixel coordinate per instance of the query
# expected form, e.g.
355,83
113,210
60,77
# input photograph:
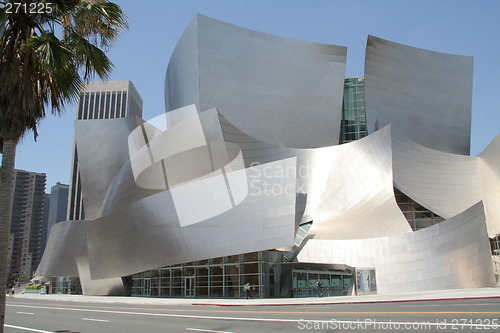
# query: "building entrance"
189,286
221,277
334,283
147,287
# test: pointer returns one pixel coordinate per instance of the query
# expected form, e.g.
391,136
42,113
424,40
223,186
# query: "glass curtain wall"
417,215
334,283
65,285
221,277
353,124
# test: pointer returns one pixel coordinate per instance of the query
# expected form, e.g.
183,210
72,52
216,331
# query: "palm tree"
47,50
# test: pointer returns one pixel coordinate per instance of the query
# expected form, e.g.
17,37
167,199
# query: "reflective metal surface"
445,183
146,228
105,287
250,76
153,236
490,174
258,154
67,241
425,95
348,188
102,152
350,192
451,254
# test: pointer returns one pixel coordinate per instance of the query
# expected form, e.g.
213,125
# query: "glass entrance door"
189,286
147,287
334,283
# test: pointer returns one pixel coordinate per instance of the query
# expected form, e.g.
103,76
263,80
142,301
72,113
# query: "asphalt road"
29,315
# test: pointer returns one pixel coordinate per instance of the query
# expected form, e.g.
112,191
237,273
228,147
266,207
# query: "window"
107,109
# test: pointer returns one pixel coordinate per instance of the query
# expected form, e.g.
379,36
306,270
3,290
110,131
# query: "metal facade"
444,183
451,254
490,174
250,76
248,150
425,95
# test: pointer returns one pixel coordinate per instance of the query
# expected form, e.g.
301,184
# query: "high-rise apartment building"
26,222
100,100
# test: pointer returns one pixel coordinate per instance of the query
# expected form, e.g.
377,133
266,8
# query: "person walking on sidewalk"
247,290
319,286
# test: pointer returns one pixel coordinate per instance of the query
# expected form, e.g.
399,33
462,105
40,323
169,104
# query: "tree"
47,50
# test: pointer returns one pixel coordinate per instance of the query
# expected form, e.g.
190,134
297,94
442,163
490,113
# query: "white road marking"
100,320
203,330
26,329
171,315
28,313
440,305
276,320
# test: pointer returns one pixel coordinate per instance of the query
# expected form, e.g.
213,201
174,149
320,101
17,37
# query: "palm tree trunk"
6,199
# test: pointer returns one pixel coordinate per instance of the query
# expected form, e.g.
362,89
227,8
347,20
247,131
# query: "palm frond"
39,70
99,21
90,57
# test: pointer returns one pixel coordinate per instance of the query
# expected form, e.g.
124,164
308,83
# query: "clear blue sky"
142,53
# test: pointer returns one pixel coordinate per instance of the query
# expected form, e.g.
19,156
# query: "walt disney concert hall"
270,167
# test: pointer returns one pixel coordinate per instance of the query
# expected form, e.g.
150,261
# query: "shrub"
33,287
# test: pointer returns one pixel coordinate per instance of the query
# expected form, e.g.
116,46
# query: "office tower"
100,100
26,222
58,203
353,124
55,208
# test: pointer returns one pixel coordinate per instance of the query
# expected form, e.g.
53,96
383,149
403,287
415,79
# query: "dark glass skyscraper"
353,125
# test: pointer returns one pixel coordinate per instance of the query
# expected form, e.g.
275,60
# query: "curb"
357,302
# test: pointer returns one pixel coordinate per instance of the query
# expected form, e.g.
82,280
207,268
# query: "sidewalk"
453,294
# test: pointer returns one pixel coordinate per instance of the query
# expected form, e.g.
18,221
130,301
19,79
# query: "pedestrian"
319,286
247,290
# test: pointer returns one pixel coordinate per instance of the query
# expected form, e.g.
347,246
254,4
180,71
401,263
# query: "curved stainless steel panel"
244,178
296,86
67,240
105,287
447,184
490,174
153,236
350,190
425,95
452,254
102,150
182,77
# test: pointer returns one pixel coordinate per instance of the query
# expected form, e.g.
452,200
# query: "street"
30,315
